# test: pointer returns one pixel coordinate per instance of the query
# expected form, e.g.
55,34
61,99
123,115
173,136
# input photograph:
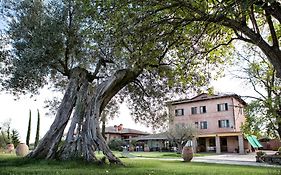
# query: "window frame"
196,124
179,114
222,107
203,125
194,110
202,109
225,123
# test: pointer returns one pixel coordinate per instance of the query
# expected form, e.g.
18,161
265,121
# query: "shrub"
279,150
116,144
261,154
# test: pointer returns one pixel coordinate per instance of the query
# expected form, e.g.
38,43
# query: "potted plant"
146,148
10,147
22,150
260,156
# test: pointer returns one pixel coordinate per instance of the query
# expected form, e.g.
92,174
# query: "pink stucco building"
217,119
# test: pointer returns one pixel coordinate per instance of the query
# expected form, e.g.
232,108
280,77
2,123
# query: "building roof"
112,129
159,136
204,97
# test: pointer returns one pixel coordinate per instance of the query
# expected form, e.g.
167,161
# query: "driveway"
233,159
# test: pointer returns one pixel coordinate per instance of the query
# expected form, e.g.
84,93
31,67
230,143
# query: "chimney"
120,127
116,127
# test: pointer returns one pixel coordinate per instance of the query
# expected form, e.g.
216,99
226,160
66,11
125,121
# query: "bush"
116,144
279,150
260,154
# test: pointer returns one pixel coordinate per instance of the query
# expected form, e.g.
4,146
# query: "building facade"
217,119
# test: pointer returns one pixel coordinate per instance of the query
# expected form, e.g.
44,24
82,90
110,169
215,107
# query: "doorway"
223,144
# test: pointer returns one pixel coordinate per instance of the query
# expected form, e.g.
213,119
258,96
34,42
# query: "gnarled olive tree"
97,51
257,22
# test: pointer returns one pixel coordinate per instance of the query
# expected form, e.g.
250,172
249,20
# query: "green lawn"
13,165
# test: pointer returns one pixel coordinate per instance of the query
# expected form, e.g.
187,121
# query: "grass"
13,165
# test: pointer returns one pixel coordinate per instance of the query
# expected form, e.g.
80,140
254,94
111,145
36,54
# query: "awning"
254,141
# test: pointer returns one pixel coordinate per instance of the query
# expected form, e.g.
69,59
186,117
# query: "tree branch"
138,83
256,98
253,20
274,8
275,42
219,45
255,89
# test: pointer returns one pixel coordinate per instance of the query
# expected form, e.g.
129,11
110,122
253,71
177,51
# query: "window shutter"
226,106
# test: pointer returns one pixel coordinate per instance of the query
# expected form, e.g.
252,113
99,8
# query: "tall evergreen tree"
28,129
37,129
15,137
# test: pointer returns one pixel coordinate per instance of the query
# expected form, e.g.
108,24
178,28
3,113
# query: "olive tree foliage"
97,51
8,135
180,134
257,22
264,111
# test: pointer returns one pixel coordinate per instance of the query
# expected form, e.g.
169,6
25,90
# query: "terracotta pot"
146,149
131,148
10,147
22,150
187,153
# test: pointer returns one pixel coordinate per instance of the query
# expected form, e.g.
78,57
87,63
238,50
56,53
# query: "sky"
18,110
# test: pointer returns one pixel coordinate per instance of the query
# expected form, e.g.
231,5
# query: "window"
223,123
241,111
203,109
179,112
193,110
222,107
203,125
196,124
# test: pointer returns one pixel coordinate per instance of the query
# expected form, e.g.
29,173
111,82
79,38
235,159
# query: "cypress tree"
28,129
15,137
38,129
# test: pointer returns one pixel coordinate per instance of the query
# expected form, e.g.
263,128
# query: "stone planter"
22,150
10,147
187,153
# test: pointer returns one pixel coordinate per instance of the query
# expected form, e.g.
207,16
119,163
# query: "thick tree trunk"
48,146
84,136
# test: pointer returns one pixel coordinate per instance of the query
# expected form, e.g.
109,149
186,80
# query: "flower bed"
272,159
